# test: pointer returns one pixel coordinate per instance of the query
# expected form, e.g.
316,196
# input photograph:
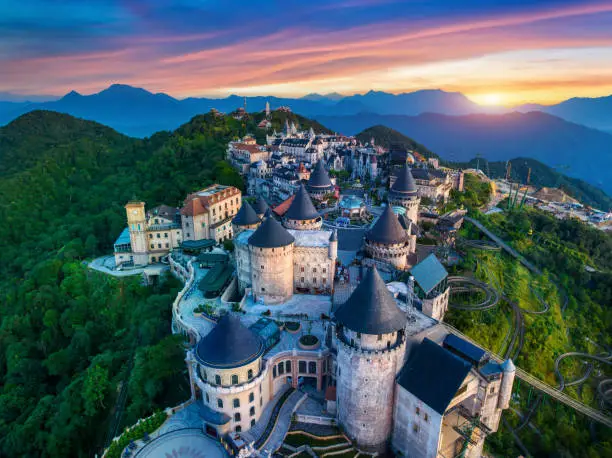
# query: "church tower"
371,342
267,110
138,237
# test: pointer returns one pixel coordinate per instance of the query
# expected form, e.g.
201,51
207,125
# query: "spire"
404,183
301,207
260,206
270,234
371,308
319,179
334,236
387,229
246,216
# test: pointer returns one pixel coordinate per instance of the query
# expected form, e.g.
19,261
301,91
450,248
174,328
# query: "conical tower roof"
271,234
230,344
246,216
302,208
319,179
260,206
371,309
387,229
404,184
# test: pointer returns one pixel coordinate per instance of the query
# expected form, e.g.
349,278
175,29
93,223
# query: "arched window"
251,397
250,374
236,403
281,368
234,379
302,366
220,403
252,411
237,416
253,422
218,379
274,372
238,429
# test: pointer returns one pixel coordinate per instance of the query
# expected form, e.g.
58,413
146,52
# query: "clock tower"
138,237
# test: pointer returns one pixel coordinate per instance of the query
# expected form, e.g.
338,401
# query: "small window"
314,270
302,366
301,269
288,366
236,403
302,279
252,422
158,235
252,411
418,411
274,372
237,416
312,367
260,402
426,417
250,374
165,235
415,428
263,290
220,403
281,369
152,246
251,397
217,379
492,390
234,379
150,236
204,375
207,398
238,429
324,270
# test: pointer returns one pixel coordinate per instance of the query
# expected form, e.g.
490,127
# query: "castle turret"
404,193
371,345
506,385
319,183
260,207
136,219
271,248
302,214
387,241
333,245
246,218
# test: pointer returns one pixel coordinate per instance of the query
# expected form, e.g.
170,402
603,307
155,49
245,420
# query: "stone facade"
411,205
304,225
271,273
394,254
366,369
437,306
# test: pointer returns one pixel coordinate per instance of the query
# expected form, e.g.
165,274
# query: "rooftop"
271,234
311,238
246,216
404,184
301,207
429,273
387,229
230,344
433,375
371,308
319,178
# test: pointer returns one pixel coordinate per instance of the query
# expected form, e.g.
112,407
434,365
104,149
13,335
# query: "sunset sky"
503,52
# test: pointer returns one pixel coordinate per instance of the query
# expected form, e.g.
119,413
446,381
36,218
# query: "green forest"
579,320
71,338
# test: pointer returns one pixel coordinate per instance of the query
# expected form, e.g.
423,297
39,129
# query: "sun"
490,99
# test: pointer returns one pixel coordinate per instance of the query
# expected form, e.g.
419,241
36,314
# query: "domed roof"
508,366
387,229
319,179
302,208
230,344
246,216
271,234
371,308
404,183
260,206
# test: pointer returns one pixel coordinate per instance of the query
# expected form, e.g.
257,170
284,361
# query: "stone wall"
272,273
313,269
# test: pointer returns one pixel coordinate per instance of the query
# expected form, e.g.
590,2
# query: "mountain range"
448,122
140,113
579,151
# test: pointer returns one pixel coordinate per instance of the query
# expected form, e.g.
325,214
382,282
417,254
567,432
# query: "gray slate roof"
260,206
387,229
429,272
371,308
319,179
404,184
433,374
246,216
230,344
302,208
271,234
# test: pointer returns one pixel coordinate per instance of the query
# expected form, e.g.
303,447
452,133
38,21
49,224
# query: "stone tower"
506,385
302,214
271,248
388,241
136,219
333,245
404,193
246,218
371,343
267,110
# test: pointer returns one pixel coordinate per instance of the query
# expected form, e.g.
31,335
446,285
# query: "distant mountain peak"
71,95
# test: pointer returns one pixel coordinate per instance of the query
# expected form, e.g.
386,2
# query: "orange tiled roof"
282,208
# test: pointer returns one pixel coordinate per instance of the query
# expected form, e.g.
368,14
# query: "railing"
183,326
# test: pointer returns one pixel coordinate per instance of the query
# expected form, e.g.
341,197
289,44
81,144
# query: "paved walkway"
284,422
192,443
256,431
106,265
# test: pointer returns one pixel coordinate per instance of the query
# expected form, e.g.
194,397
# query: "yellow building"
208,214
149,236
